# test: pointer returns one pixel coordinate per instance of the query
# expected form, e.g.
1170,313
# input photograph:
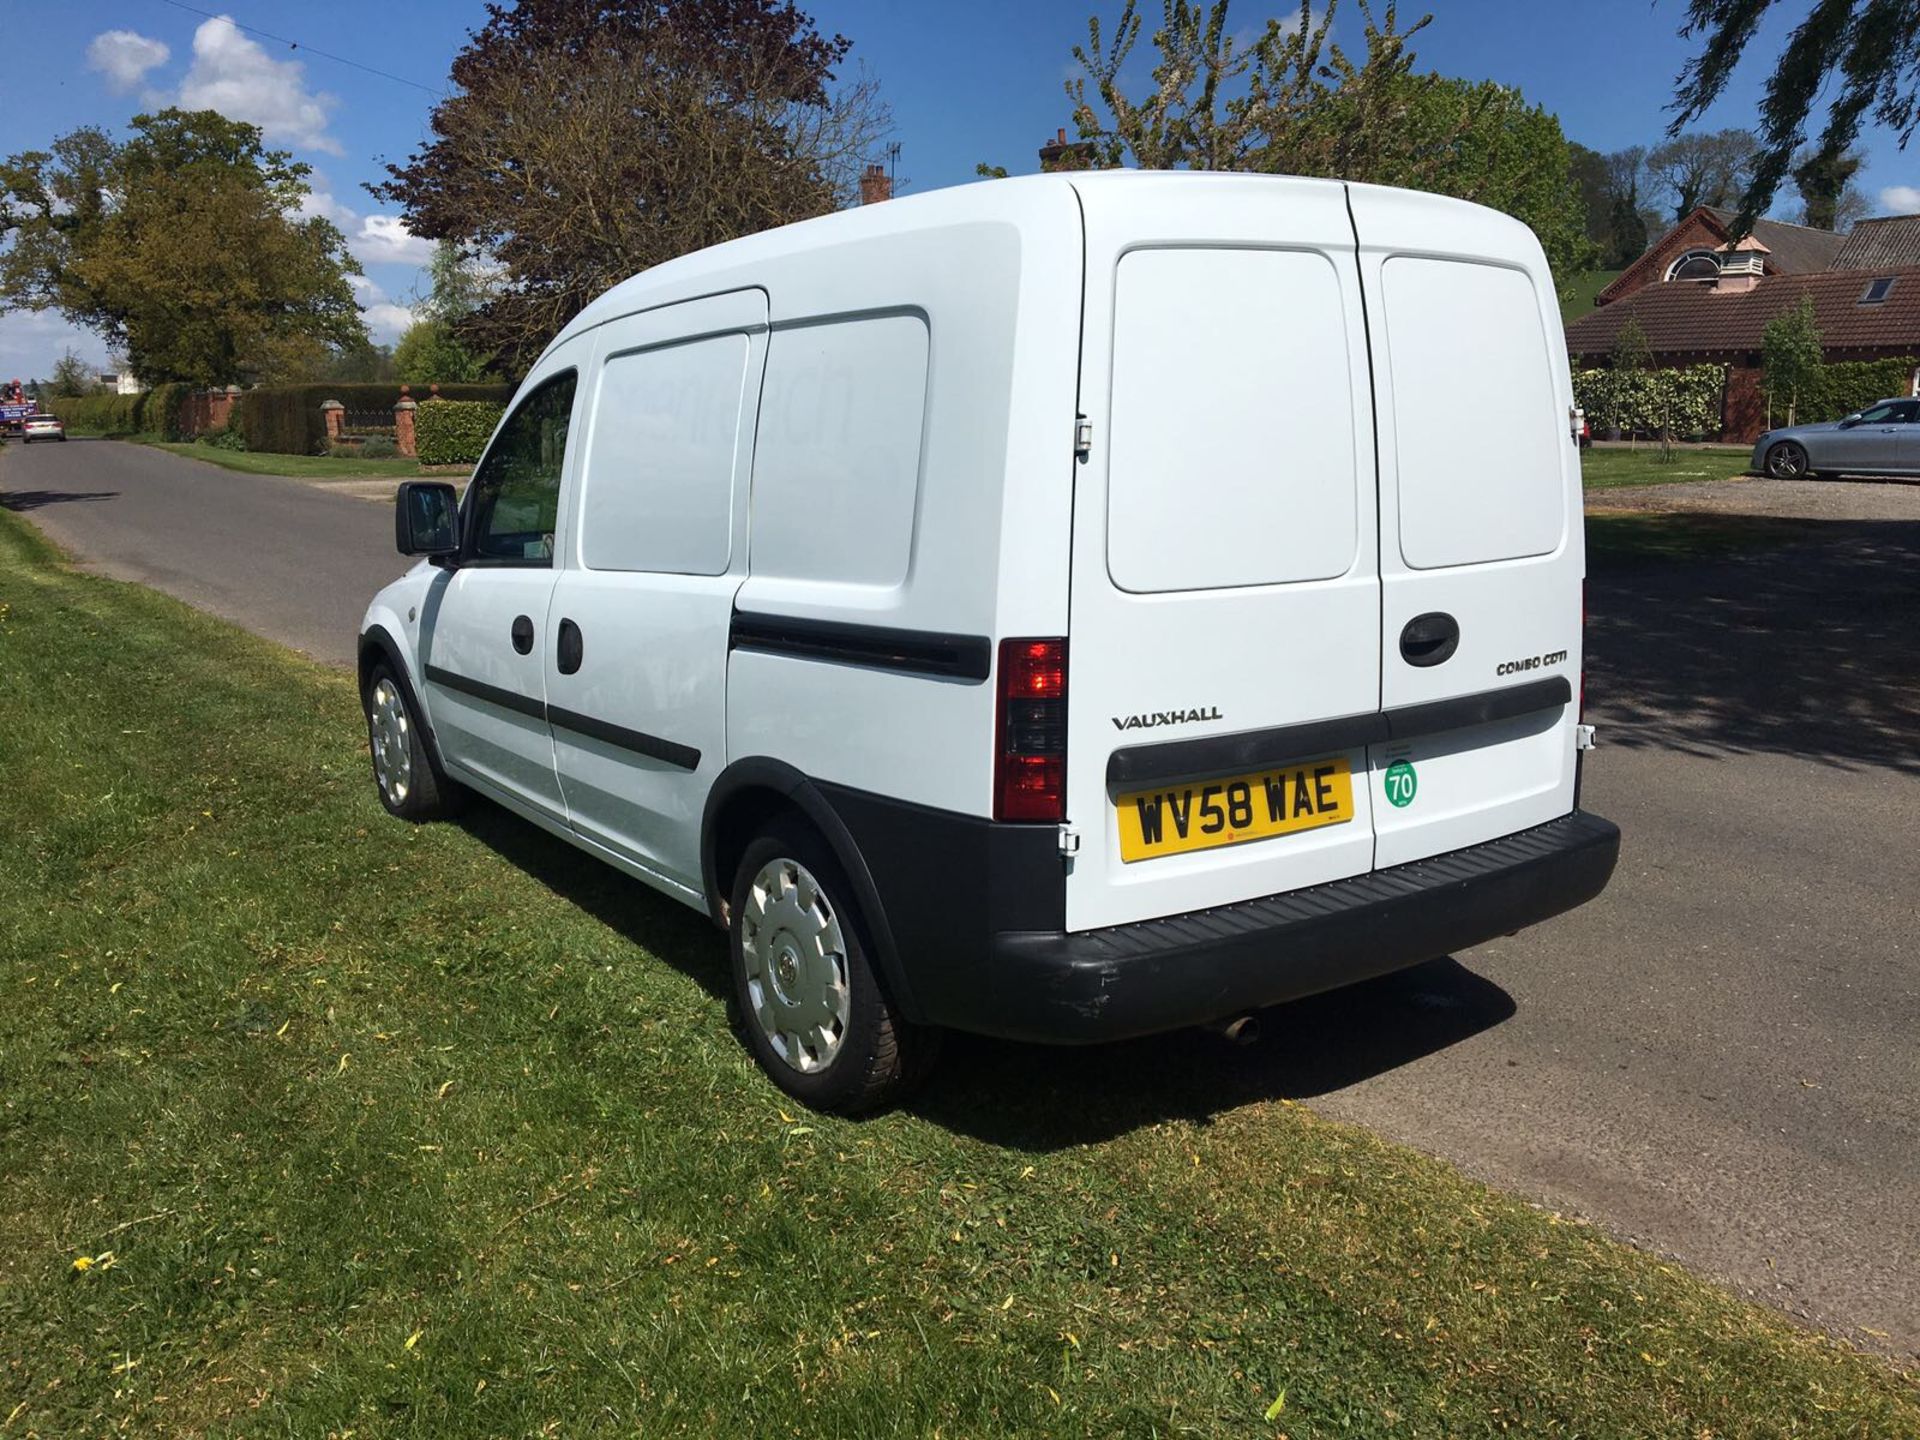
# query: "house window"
1695,265
1877,290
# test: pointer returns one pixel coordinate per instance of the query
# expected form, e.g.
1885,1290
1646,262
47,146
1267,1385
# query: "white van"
1063,608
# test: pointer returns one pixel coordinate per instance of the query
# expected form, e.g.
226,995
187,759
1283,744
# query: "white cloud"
387,321
385,240
125,57
235,76
322,204
1901,199
31,340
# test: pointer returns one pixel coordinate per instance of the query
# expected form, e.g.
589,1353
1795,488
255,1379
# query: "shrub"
378,447
99,414
162,413
286,419
1834,391
454,432
230,438
1681,402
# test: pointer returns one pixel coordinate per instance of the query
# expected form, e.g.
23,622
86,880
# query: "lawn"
307,467
315,1123
1611,467
1581,289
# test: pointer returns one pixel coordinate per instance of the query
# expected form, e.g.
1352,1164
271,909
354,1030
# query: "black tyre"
1788,461
405,770
813,1009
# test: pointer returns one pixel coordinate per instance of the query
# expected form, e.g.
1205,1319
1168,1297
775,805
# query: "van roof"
1030,203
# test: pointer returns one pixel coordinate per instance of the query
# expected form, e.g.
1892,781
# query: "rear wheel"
406,772
1787,461
814,1011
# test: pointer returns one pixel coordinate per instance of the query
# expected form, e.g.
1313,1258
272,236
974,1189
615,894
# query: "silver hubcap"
1786,463
796,963
389,730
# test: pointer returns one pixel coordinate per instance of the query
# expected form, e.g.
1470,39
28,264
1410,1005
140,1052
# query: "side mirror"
1851,421
426,519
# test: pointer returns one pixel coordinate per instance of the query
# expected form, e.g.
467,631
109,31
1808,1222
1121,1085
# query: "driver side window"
514,499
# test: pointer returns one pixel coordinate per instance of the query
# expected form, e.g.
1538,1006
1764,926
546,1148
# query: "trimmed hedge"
155,411
454,432
1839,390
1683,402
286,419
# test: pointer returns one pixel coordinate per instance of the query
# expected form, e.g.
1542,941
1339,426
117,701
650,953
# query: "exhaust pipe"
1236,1029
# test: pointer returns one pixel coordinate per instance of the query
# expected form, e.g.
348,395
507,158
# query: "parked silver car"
1883,439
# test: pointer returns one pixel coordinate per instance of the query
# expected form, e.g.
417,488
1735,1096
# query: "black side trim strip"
1229,754
671,752
912,652
506,699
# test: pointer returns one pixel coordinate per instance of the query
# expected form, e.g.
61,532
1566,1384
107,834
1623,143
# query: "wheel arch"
748,794
376,645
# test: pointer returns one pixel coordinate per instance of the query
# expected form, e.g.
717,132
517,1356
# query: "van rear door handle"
570,650
1430,639
522,633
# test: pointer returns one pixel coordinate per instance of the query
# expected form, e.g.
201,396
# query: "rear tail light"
1030,731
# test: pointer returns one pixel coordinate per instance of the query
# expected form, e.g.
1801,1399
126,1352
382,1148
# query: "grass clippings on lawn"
313,1122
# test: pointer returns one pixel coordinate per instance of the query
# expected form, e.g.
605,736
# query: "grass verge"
1611,468
301,467
440,1131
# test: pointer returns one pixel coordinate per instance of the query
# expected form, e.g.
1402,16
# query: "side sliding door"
637,635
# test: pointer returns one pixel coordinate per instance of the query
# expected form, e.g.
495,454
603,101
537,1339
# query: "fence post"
403,428
335,416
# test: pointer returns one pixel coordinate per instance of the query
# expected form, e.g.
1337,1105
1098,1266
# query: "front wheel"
406,772
1787,461
814,1011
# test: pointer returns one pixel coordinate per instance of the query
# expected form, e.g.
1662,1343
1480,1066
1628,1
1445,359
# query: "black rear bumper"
1188,969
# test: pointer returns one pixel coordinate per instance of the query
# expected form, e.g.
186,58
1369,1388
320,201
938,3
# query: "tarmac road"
283,558
1718,1059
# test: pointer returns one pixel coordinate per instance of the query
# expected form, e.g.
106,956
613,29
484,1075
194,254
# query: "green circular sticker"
1402,784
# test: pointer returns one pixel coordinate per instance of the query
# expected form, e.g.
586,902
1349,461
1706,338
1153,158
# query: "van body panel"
1480,512
639,728
1279,633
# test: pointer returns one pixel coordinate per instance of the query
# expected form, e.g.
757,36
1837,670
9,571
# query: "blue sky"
973,82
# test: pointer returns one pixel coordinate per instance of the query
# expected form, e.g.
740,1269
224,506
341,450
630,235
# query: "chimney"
875,185
1061,153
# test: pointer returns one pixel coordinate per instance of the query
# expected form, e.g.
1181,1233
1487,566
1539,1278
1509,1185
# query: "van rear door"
1481,536
1225,597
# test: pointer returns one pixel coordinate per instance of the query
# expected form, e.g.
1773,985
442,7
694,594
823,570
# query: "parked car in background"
42,427
1883,439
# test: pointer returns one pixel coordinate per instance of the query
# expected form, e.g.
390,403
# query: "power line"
311,50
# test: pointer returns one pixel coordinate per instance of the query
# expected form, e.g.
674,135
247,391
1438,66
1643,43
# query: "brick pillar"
335,416
1746,412
403,428
220,406
875,185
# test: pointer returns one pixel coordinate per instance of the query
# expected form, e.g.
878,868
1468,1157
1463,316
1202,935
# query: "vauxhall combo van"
1061,608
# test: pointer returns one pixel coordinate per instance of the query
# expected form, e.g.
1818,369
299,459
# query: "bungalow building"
1701,297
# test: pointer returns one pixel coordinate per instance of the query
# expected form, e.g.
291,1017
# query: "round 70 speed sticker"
1402,784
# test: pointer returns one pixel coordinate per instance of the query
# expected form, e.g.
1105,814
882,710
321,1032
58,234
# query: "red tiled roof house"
1703,300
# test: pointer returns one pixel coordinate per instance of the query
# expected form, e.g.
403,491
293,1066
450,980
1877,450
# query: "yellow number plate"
1176,818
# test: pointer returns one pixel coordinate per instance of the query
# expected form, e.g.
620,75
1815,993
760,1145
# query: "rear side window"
836,468
1479,437
1233,445
659,467
515,495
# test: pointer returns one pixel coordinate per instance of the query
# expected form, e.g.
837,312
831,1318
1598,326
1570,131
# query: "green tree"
1829,198
587,140
1631,353
182,247
1289,100
71,377
1791,355
1861,52
431,353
